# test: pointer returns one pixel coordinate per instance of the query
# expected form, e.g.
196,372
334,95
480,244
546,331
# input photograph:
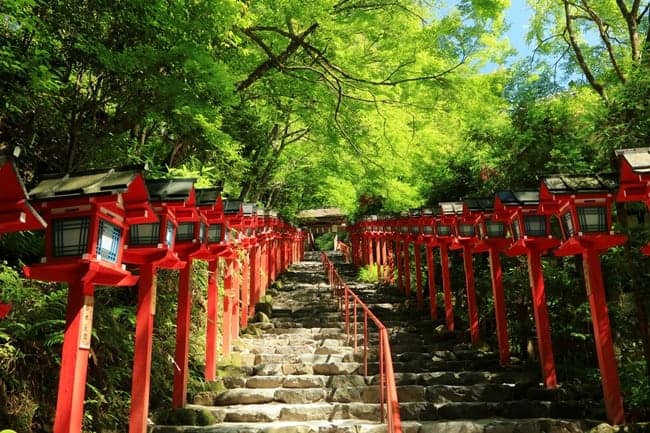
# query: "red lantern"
85,238
583,204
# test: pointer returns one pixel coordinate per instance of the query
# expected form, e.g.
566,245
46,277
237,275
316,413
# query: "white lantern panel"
108,242
70,237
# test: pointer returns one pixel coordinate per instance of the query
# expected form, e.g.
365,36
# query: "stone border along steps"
300,376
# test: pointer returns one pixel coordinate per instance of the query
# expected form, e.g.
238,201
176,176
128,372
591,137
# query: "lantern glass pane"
535,225
466,230
516,229
108,242
593,219
185,232
567,223
169,234
415,229
428,230
70,237
404,229
556,227
495,229
144,234
203,236
214,233
443,229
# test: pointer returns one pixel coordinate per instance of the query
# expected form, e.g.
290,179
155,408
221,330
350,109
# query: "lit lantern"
87,221
84,244
583,204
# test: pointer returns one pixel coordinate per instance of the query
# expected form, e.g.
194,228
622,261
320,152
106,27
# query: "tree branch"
275,61
579,56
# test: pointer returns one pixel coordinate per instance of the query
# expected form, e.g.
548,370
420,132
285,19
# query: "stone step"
462,378
349,391
325,368
409,411
270,412
489,425
449,365
295,381
333,426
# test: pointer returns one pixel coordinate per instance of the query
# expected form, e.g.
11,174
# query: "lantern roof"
479,204
581,184
518,198
249,209
20,215
452,207
232,206
638,159
167,190
207,196
95,182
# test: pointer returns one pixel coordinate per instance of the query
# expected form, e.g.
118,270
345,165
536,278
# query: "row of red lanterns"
114,228
568,215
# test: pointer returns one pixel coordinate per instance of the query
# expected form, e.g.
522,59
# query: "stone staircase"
300,375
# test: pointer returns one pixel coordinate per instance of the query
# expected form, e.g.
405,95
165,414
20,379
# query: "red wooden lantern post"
398,235
211,206
415,236
428,230
248,242
532,236
404,254
84,239
380,236
149,247
583,204
256,261
16,214
179,196
495,236
466,239
234,213
444,237
376,236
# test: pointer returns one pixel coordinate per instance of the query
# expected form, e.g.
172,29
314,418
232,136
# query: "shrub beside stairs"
298,374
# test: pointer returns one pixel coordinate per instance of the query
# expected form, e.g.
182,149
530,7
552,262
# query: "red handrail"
389,405
346,250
